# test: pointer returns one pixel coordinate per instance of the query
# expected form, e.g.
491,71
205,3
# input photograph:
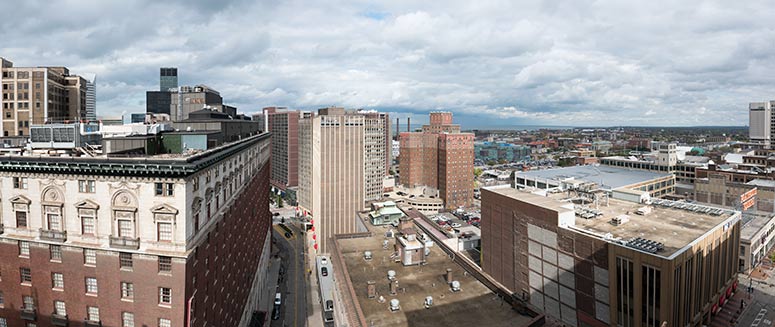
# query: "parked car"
278,299
276,312
456,225
324,271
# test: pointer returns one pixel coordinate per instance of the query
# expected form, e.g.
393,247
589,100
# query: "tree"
478,172
279,201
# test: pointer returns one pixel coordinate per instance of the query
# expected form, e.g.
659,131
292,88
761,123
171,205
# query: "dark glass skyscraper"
158,102
168,78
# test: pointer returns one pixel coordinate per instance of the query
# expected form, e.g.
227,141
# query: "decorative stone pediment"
52,196
20,199
217,187
197,204
164,209
124,200
87,204
209,194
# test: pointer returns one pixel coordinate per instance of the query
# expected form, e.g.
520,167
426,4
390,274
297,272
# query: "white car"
456,225
323,261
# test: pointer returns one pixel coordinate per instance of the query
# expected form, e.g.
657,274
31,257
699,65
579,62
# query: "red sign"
748,195
748,204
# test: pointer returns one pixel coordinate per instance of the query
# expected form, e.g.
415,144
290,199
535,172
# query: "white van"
278,299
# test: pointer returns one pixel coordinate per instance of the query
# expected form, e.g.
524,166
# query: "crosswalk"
760,318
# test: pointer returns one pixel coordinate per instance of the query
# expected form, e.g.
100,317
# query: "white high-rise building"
760,122
91,98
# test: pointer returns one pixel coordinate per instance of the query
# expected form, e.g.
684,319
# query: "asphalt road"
293,281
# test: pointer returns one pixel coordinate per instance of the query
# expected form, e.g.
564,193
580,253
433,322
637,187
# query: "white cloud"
502,62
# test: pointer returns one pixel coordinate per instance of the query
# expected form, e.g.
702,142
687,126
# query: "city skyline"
556,64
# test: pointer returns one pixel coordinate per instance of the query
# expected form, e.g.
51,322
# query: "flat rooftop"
474,305
169,165
753,223
609,176
668,224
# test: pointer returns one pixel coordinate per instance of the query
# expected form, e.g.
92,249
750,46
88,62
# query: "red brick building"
137,241
284,125
440,157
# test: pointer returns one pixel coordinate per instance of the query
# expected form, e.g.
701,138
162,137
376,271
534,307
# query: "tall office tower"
35,95
334,177
614,262
439,157
91,99
284,125
168,78
761,119
150,240
378,153
189,99
159,102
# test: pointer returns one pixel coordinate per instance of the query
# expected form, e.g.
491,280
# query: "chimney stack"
449,275
394,287
372,289
409,124
398,127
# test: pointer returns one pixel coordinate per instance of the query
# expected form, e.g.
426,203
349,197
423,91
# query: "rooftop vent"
391,274
455,286
395,305
367,255
428,302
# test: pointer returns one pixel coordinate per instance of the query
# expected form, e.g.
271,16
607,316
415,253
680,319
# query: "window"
20,182
59,308
54,221
164,322
56,252
57,280
165,295
89,257
86,186
24,248
127,290
127,319
125,260
91,285
125,228
195,183
28,303
88,225
21,219
26,275
3,322
165,264
164,232
2,300
164,189
93,313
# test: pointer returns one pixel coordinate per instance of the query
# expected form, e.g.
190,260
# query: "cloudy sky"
492,63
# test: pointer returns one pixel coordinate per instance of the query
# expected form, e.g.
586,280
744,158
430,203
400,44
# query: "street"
293,279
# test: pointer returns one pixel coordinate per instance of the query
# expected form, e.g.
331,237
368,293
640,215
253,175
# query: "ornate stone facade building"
173,240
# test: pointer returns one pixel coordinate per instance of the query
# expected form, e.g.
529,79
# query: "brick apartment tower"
440,157
36,95
284,125
138,241
342,156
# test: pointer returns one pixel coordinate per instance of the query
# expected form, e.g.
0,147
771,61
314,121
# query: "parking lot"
458,219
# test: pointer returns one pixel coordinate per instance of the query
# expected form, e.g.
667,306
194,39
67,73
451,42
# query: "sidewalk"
314,308
731,312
